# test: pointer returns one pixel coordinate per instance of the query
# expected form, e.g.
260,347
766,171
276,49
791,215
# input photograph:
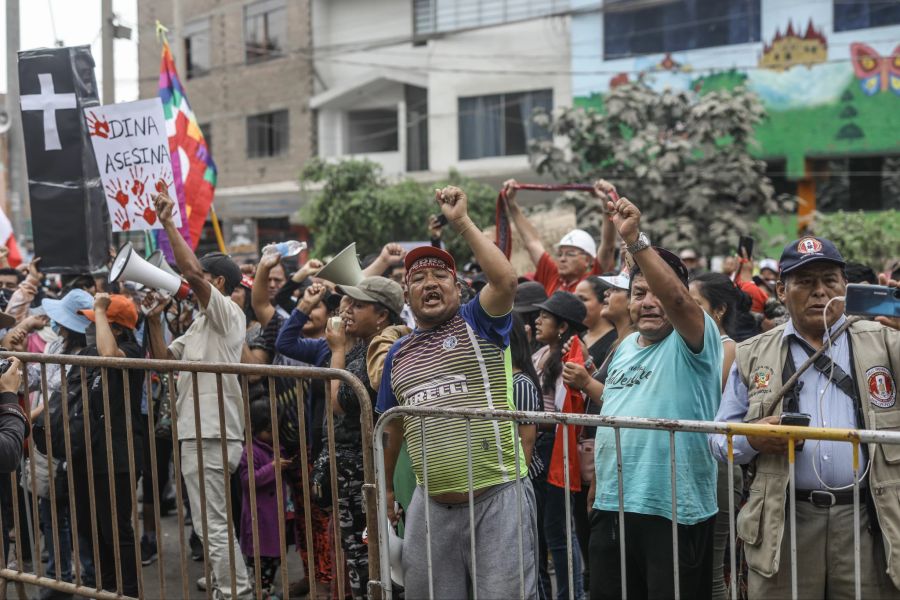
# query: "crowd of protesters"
623,329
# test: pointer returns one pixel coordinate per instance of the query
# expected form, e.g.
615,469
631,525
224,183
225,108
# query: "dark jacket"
12,435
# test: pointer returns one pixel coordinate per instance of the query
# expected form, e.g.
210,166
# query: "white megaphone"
344,268
157,259
128,266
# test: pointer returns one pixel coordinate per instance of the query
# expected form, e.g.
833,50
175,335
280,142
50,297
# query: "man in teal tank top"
458,358
671,368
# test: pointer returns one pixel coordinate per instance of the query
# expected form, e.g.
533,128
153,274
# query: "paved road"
171,562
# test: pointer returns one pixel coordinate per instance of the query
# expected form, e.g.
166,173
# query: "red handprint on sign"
146,211
162,185
137,184
120,220
116,192
98,127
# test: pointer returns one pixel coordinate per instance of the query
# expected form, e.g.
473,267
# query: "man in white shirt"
216,335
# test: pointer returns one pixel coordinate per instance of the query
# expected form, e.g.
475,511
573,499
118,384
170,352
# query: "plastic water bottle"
285,249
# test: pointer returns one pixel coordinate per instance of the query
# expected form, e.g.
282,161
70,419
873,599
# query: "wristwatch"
639,244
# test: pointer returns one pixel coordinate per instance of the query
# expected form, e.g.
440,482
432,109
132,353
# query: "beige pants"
825,558
216,489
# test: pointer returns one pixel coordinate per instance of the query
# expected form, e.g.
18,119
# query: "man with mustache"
852,386
457,357
671,368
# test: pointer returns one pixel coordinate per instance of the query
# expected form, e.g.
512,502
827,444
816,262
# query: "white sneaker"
201,584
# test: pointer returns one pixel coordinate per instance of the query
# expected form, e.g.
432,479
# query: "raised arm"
106,340
498,295
606,254
530,236
259,296
184,257
158,347
391,256
682,311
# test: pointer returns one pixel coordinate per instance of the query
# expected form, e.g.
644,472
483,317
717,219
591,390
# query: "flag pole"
217,229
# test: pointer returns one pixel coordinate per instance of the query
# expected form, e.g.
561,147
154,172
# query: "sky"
77,22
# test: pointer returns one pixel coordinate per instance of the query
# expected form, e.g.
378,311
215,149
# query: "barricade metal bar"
54,517
132,480
384,578
307,504
674,475
793,508
471,509
621,491
21,577
154,478
179,495
201,479
427,500
226,475
86,411
279,489
567,497
731,514
31,499
516,442
251,477
857,571
335,514
110,478
73,516
13,486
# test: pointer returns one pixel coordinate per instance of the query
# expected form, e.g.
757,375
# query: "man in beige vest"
858,392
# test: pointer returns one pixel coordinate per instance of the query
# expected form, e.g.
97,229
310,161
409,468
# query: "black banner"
70,221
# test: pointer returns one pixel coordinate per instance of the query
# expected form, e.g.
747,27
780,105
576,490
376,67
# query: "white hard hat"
581,239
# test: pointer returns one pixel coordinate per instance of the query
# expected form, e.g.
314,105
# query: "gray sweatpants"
498,564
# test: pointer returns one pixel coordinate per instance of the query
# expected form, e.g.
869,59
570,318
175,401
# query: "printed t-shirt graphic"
463,363
666,380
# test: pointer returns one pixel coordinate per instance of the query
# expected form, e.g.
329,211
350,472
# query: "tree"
357,204
871,239
684,160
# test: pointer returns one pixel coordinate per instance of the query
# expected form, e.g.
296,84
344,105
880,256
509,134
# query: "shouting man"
457,358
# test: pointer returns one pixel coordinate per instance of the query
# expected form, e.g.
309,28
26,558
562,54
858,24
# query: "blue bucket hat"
65,311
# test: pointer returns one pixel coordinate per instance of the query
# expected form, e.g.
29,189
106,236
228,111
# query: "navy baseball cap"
808,250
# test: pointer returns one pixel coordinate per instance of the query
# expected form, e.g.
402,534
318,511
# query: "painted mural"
827,93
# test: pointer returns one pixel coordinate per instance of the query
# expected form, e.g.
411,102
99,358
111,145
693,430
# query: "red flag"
573,404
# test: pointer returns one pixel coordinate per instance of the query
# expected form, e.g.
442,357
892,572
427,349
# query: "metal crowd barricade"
854,437
168,369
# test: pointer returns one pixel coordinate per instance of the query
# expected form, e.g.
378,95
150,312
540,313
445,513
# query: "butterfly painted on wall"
876,73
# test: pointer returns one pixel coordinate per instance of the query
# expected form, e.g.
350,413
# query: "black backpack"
76,416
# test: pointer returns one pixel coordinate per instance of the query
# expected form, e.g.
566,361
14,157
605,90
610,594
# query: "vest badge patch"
450,342
761,379
882,389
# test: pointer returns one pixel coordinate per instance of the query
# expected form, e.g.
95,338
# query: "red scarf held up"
573,404
503,235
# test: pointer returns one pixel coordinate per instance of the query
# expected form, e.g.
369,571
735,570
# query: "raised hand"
453,202
604,190
393,254
509,186
33,270
165,207
311,297
101,301
626,217
311,267
268,261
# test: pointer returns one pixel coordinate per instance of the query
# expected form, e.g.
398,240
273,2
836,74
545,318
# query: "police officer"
854,386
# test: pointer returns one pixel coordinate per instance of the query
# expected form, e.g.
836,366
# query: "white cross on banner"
49,102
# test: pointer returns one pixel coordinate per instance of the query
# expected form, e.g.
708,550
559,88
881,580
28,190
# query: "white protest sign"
132,151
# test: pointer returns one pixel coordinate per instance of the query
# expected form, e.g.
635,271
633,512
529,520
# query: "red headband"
429,262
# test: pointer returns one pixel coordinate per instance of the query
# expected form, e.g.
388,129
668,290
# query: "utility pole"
178,39
109,67
18,181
